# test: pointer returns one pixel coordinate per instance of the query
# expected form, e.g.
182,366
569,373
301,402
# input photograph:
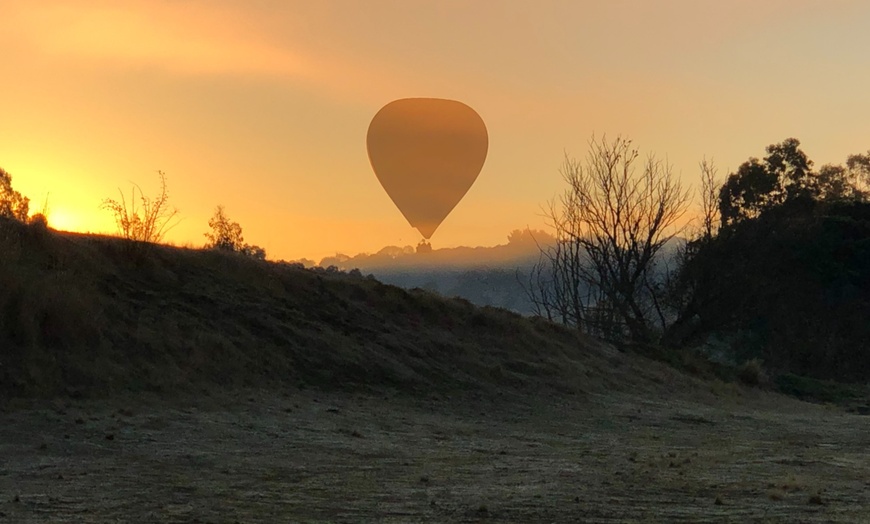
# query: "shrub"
752,373
38,221
146,221
226,235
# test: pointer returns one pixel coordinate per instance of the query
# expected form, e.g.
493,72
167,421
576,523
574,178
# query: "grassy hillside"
81,314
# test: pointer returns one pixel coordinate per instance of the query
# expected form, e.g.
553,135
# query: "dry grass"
79,315
363,402
309,456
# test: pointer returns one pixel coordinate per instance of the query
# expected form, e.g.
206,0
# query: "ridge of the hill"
87,314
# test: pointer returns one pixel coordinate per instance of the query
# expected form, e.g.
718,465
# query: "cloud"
172,37
197,38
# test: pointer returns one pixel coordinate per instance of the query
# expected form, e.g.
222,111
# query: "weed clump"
752,373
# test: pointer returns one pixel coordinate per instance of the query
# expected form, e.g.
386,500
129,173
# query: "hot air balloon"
426,153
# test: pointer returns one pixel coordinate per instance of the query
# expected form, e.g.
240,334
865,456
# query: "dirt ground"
315,457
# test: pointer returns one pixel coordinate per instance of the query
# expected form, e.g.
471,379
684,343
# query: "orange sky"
263,106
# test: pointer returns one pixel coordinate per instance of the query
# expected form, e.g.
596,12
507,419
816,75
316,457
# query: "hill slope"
83,314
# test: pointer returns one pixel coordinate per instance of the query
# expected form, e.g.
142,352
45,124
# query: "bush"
146,221
752,373
38,221
226,235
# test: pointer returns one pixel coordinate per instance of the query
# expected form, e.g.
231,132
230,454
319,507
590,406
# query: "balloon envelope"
426,152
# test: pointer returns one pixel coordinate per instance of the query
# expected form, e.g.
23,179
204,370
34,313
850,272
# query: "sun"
64,220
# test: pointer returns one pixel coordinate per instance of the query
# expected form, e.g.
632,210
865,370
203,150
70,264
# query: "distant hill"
88,315
495,276
521,249
486,276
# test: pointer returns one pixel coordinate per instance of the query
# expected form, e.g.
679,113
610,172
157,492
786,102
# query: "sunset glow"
264,106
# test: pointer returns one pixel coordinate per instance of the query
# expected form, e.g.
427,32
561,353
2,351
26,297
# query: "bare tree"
683,291
710,186
603,275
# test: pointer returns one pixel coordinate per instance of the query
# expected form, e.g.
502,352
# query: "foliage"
226,235
788,273
785,176
12,204
141,218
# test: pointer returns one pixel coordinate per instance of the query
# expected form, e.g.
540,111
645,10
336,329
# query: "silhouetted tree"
610,224
529,237
226,235
860,165
424,247
786,279
12,204
748,192
685,291
836,182
792,168
710,185
785,176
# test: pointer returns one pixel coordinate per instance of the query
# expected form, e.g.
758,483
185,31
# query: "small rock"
816,499
718,501
110,436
